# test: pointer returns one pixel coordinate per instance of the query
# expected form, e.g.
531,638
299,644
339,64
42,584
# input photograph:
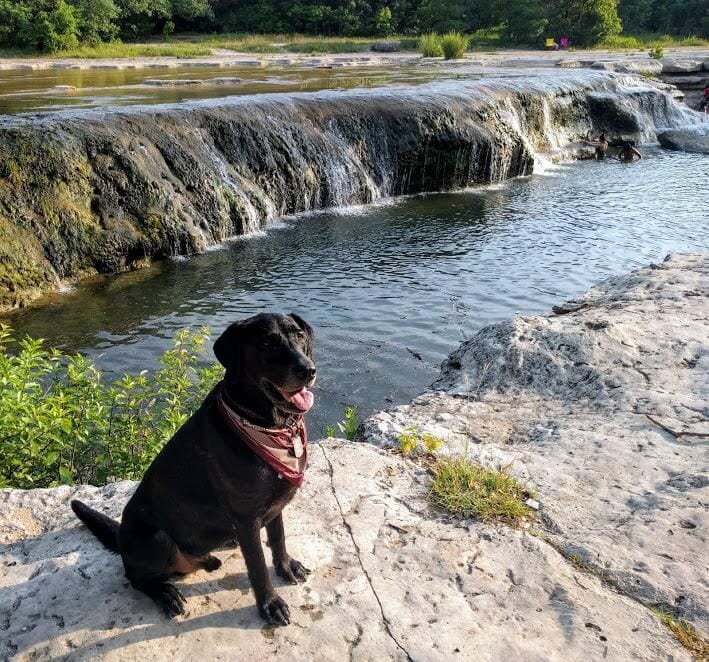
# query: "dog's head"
274,353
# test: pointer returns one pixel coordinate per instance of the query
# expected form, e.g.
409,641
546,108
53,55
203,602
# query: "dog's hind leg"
149,555
165,594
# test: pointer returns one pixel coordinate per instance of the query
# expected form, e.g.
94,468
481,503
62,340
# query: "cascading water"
104,191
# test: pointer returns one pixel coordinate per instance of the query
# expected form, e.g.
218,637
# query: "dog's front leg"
271,607
287,568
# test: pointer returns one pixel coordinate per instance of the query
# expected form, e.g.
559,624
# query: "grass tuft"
685,634
454,45
429,45
470,490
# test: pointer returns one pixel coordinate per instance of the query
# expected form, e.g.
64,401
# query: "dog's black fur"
206,489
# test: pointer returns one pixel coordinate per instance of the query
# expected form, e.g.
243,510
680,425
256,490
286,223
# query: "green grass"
429,45
454,45
121,50
647,41
685,634
470,490
196,45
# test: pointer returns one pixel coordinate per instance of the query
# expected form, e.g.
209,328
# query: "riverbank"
233,58
600,409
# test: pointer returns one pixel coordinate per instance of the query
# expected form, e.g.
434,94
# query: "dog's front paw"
275,610
292,571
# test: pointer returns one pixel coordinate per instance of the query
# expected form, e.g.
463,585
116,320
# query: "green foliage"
96,20
60,25
382,24
329,431
585,22
525,21
349,426
454,45
429,45
656,52
410,441
440,16
41,25
62,421
470,490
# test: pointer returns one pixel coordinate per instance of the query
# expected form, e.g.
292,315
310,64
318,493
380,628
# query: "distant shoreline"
226,58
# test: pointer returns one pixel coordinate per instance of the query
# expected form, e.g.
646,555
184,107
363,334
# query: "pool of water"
393,288
50,90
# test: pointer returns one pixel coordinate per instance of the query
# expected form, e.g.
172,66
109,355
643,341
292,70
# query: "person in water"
628,153
564,43
704,103
601,147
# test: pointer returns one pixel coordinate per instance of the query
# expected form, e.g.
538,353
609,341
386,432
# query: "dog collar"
285,450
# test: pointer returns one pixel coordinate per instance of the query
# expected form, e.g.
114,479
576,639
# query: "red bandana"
284,450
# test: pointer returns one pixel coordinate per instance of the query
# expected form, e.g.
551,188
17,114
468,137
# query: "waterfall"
103,191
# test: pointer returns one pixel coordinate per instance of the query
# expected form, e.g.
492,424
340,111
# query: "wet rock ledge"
601,409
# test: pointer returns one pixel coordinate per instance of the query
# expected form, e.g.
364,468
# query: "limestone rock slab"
392,580
602,410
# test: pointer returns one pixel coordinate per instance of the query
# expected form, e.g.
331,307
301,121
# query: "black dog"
209,486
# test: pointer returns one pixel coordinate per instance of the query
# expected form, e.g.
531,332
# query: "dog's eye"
299,335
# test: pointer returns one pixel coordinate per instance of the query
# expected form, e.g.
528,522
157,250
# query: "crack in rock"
385,620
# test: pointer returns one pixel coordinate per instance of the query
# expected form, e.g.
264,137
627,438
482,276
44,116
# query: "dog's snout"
306,372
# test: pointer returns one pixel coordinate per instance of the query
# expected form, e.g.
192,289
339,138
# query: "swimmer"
628,153
601,147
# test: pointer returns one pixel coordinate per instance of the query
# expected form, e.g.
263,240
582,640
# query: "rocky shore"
681,60
600,408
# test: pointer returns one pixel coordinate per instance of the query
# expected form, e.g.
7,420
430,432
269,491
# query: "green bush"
62,421
40,25
429,45
454,45
657,52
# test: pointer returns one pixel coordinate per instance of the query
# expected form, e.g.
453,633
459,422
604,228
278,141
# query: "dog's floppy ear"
227,347
308,330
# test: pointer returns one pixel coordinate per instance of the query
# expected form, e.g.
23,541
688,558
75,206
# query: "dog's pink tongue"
302,399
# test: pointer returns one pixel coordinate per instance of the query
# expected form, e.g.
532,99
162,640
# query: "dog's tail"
103,527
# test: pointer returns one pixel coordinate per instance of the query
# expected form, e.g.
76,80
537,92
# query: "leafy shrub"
62,421
41,25
348,427
656,52
429,45
454,45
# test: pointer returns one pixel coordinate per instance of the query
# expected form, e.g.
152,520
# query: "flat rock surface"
566,400
681,59
391,580
603,412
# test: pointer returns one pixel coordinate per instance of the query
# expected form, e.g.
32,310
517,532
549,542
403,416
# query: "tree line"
54,25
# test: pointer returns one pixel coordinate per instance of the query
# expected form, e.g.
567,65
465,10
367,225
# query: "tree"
585,22
97,20
382,24
39,25
525,21
140,18
635,14
437,16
